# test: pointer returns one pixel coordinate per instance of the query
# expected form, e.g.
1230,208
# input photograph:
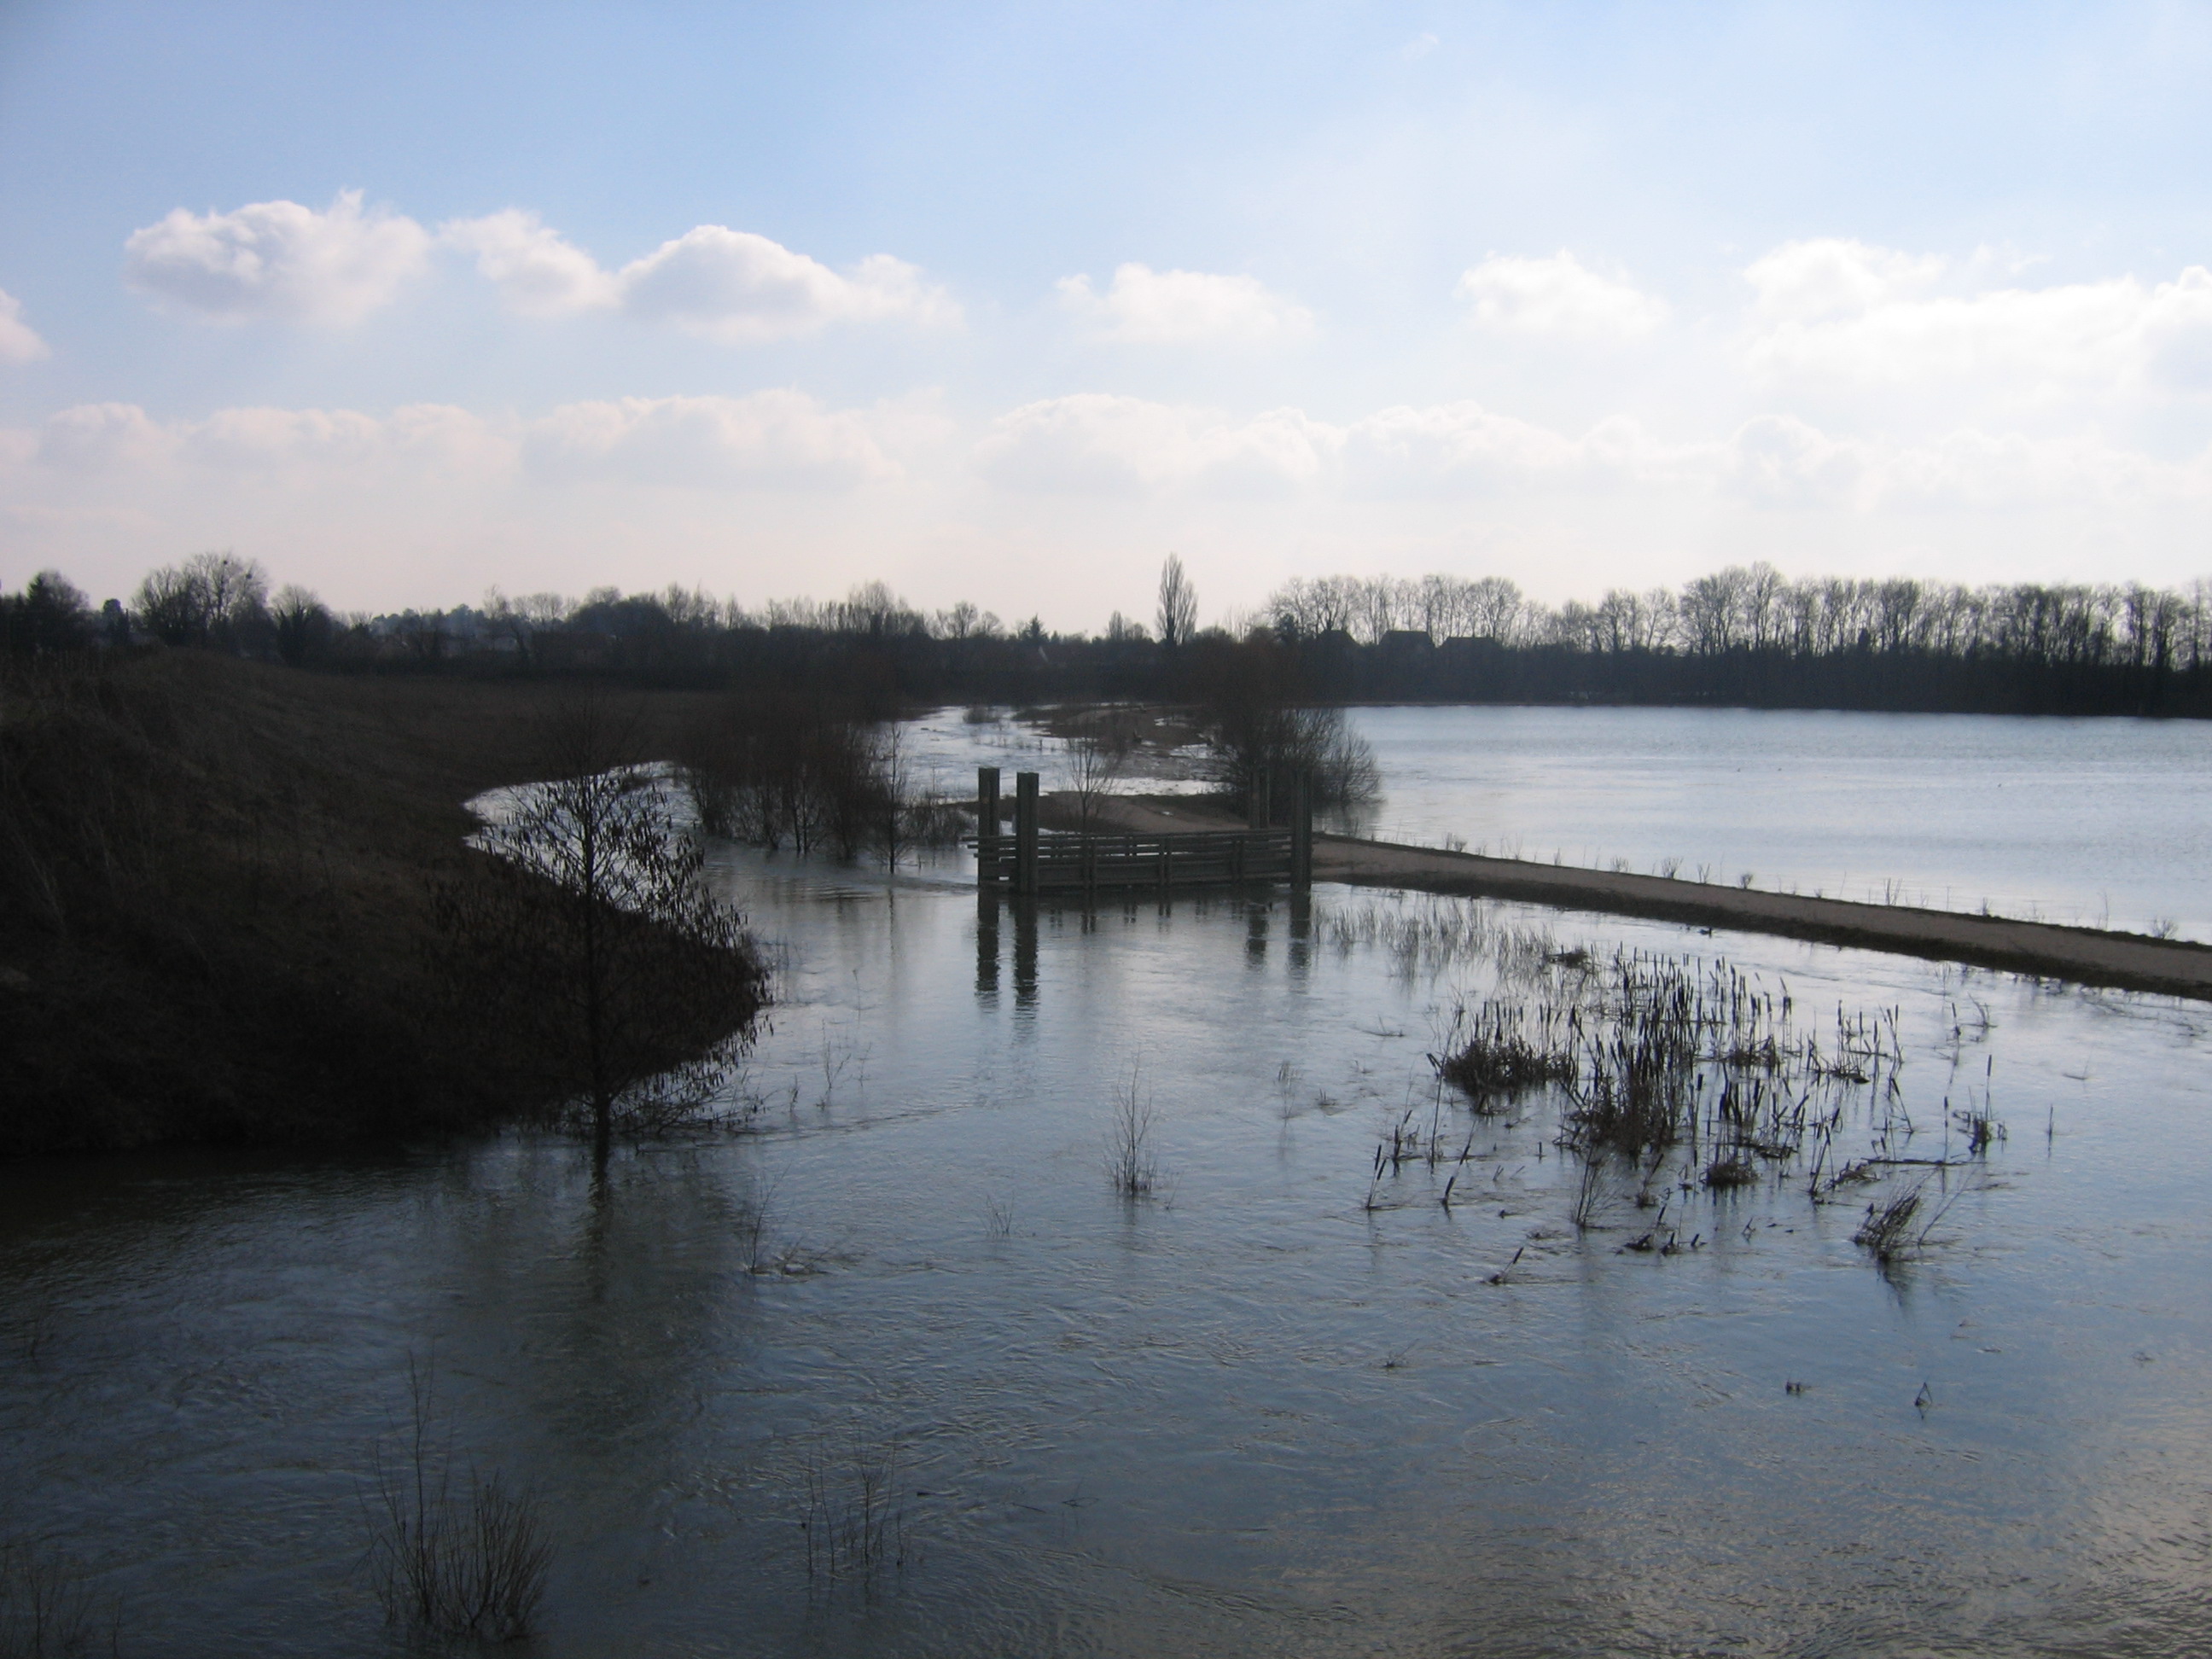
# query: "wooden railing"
1179,859
1030,862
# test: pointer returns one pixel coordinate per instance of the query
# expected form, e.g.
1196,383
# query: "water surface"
2091,823
1274,1406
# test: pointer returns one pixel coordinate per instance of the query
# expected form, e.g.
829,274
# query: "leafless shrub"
1098,749
49,1608
1130,1164
453,1553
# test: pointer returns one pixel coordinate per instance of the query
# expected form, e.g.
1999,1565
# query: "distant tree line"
1742,636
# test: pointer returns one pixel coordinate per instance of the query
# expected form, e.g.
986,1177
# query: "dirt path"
2130,961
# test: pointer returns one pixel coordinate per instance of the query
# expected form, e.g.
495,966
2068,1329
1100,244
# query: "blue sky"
1006,304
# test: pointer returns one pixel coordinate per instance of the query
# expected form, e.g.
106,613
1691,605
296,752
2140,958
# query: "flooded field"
905,1367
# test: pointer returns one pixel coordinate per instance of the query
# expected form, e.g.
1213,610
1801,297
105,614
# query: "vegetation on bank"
1745,636
220,883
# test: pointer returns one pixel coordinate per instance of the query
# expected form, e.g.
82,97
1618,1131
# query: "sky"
1008,303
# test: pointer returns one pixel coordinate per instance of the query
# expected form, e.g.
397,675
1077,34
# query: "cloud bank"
1095,445
1185,307
774,440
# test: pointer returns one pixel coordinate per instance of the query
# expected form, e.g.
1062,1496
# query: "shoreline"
2131,961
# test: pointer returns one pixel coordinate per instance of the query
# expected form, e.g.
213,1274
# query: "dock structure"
1031,863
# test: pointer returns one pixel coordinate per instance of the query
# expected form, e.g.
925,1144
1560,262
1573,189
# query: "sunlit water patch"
2089,822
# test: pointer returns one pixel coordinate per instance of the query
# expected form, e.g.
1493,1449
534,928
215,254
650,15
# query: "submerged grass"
1669,1076
854,1519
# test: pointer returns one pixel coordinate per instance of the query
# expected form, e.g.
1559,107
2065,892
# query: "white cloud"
1093,443
1845,312
308,444
729,285
277,260
19,341
538,273
281,260
1832,276
1185,307
740,288
1559,297
1096,444
95,437
778,438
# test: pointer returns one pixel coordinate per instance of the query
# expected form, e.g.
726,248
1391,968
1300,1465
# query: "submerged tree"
1252,709
584,927
1099,749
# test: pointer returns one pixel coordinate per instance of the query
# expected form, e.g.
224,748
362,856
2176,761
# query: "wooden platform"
1031,861
1088,864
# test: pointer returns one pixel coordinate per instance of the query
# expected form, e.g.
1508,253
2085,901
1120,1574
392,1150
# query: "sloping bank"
217,900
2085,955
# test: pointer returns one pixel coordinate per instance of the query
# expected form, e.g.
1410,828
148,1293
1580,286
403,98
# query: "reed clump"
1887,1232
1502,1049
1680,1071
855,1520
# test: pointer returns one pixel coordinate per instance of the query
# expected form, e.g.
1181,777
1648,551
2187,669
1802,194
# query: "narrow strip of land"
2085,955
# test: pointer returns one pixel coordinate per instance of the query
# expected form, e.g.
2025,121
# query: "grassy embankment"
215,914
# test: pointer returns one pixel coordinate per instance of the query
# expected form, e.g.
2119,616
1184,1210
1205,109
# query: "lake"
1288,1400
2090,823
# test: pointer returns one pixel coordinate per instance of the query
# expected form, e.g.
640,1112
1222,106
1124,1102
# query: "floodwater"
1278,1404
2087,822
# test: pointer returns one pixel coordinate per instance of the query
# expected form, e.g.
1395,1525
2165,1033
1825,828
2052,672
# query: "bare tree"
211,598
1178,613
1098,752
303,624
589,930
1252,709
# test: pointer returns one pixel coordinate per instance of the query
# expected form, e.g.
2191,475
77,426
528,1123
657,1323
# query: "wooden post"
1025,834
1302,829
987,826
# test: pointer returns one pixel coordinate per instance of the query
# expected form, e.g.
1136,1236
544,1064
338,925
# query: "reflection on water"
1252,1414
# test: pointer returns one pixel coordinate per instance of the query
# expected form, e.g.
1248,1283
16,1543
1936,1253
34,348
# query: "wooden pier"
1029,862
